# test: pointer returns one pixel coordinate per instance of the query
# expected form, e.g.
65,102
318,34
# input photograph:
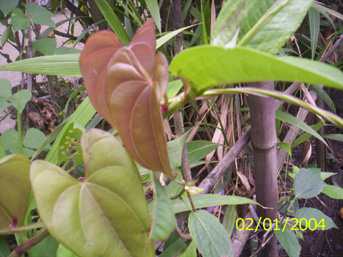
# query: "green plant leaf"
7,6
34,138
64,64
20,99
290,119
109,202
46,248
175,151
64,252
60,65
308,213
280,96
335,137
69,143
66,50
333,192
173,88
191,251
169,35
236,18
82,115
154,10
4,248
163,222
2,150
289,242
314,24
173,247
198,149
97,151
204,17
323,95
326,11
209,200
276,26
112,20
210,66
5,93
5,36
323,175
46,46
39,15
209,235
10,141
230,216
15,188
5,88
18,20
305,136
308,183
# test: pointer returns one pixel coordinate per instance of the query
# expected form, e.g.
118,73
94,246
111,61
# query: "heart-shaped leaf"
15,189
103,214
93,62
127,84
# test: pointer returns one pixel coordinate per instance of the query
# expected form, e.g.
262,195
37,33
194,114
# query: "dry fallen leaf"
126,85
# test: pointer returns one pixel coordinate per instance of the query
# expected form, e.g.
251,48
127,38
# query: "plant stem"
21,229
21,249
264,141
20,131
223,166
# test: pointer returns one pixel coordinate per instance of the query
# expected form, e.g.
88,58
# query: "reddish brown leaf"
93,62
126,85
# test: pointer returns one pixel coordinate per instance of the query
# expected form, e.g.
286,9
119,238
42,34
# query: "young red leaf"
126,85
93,62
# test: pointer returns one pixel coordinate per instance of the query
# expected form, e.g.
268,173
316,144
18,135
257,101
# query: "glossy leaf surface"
210,66
126,84
15,190
104,214
276,26
236,18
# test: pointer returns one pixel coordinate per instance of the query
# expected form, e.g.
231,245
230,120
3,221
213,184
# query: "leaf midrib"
207,231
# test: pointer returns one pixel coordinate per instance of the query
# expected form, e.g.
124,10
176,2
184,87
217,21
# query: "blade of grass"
112,20
294,121
154,10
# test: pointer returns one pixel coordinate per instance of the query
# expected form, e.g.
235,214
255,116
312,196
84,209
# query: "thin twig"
28,244
215,175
